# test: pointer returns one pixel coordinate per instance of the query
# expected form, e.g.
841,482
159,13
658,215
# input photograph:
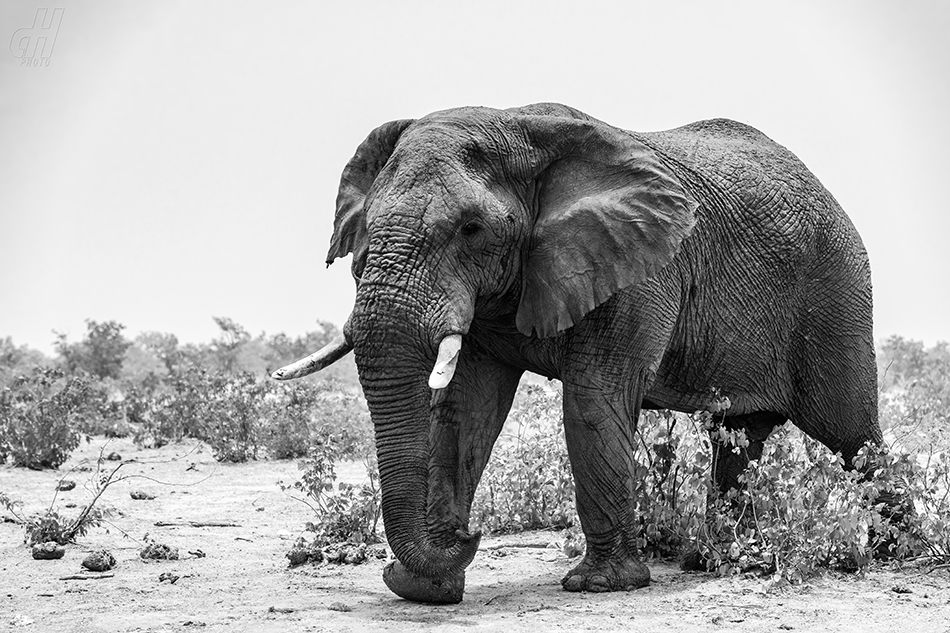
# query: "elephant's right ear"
349,224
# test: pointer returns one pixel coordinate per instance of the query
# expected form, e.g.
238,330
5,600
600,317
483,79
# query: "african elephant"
643,270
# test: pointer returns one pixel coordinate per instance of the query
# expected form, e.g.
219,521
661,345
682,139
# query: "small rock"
141,495
65,484
48,551
99,560
114,457
158,551
169,577
901,589
298,556
572,549
339,606
354,557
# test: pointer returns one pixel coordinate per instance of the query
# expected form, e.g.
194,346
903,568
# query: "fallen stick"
78,577
198,524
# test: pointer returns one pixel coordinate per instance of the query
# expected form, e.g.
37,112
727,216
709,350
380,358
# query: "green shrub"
300,413
233,418
103,412
52,526
242,417
40,418
101,353
290,420
673,462
344,513
920,526
16,360
170,409
915,394
798,511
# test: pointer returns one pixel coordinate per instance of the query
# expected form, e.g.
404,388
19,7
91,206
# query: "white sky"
180,160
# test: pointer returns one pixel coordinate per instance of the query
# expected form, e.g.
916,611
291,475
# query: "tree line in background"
159,390
799,511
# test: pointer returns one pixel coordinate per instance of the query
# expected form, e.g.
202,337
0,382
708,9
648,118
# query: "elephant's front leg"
599,427
466,420
467,417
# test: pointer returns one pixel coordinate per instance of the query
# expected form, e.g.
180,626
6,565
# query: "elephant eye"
470,228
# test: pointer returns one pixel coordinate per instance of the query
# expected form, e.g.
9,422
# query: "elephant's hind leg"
729,463
835,400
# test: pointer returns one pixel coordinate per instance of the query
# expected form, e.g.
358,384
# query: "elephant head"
537,214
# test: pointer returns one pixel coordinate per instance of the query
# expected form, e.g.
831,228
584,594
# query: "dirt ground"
243,582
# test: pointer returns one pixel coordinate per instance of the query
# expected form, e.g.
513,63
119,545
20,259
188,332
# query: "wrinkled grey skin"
641,269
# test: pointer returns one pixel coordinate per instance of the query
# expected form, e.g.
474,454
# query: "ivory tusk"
331,353
446,361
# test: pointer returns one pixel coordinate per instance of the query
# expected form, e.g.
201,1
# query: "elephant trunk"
395,354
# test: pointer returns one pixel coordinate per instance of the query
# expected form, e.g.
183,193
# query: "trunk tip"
466,538
411,586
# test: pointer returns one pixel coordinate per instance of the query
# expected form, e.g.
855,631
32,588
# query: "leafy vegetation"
51,526
162,391
915,394
346,517
101,353
798,513
41,416
345,513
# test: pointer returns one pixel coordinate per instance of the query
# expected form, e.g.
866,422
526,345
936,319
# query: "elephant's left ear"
610,214
349,224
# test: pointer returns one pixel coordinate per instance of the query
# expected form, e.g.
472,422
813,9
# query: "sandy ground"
243,582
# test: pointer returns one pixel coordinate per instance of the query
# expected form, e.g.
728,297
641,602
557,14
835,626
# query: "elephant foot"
411,586
607,575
